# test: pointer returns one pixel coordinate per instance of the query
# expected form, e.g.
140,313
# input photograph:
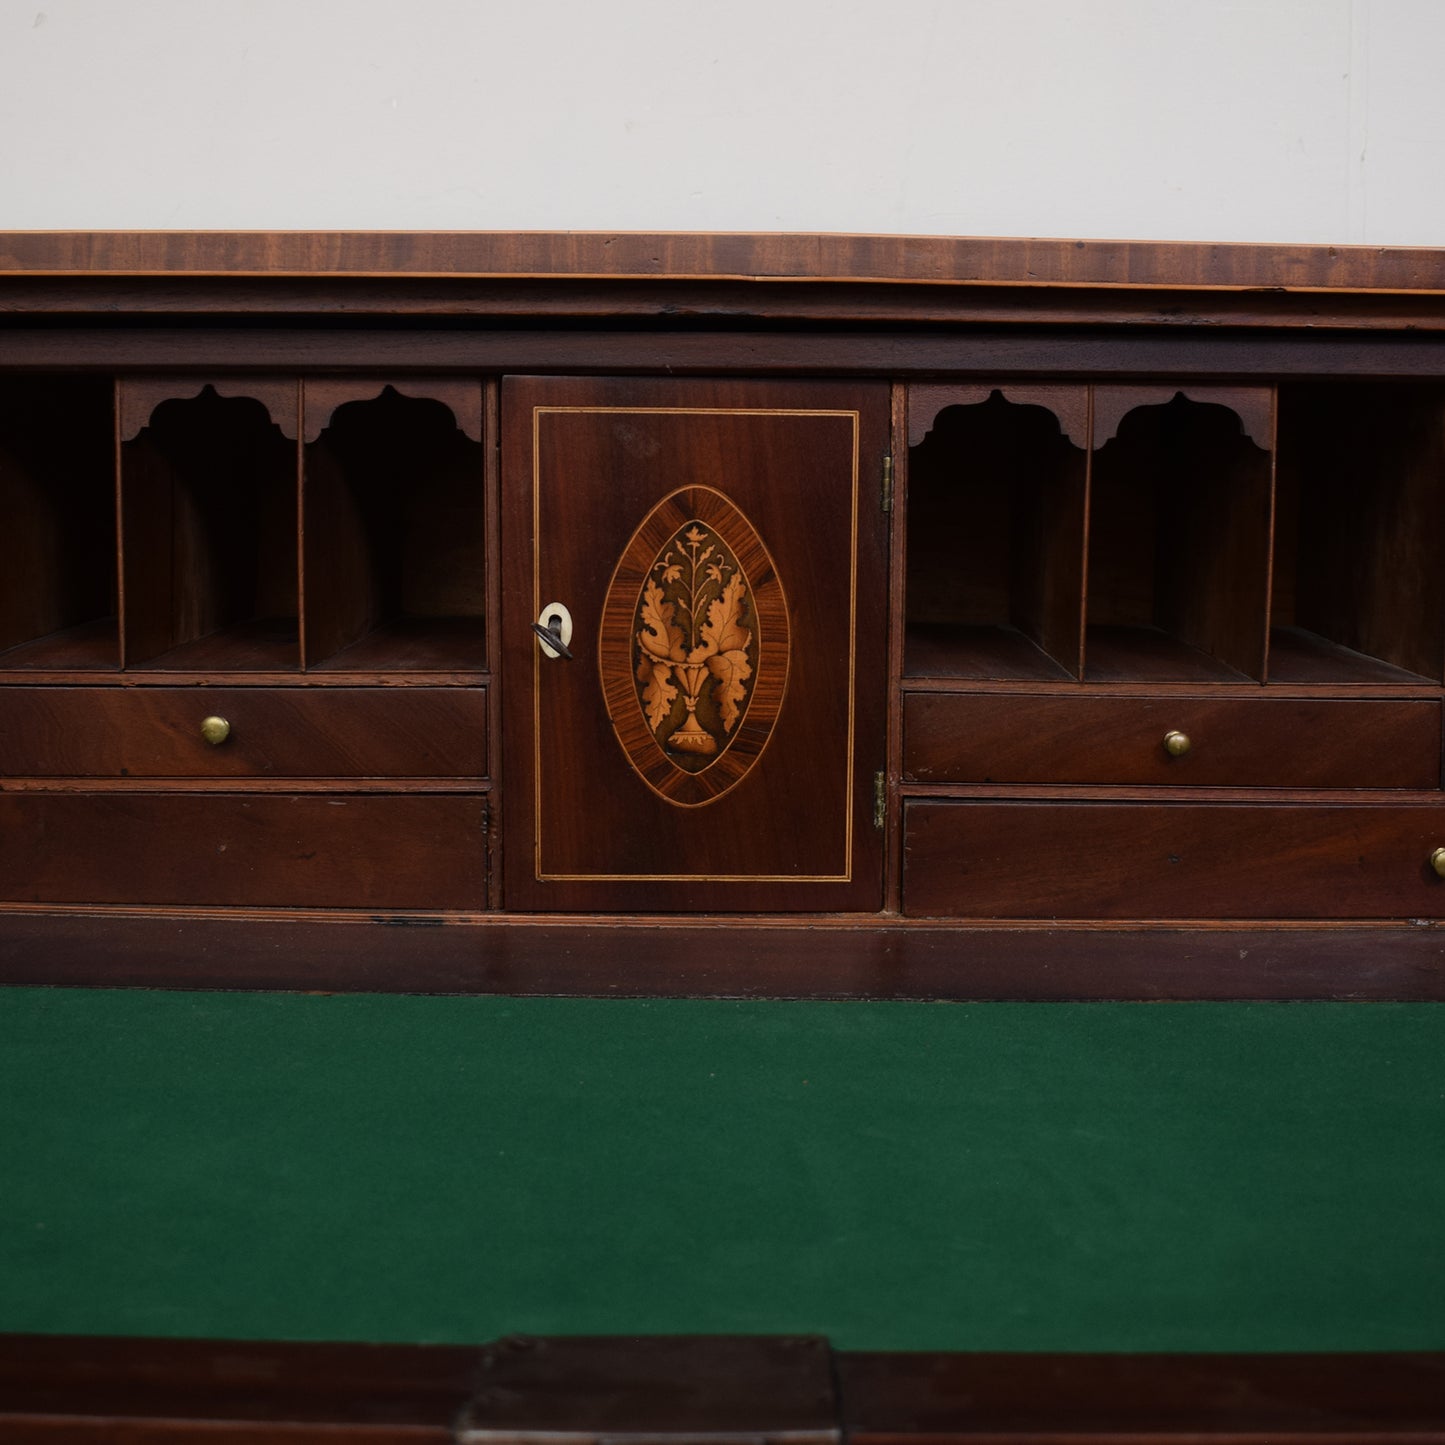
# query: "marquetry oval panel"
693,650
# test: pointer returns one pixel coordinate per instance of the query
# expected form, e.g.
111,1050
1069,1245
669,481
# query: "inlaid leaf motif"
659,637
659,694
727,639
732,670
724,628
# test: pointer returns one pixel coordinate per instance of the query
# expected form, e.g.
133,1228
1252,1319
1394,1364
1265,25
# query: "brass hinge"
888,481
880,799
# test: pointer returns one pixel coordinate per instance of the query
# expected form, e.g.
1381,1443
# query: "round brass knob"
1437,861
215,730
1176,744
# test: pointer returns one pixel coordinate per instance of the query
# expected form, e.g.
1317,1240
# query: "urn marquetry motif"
694,646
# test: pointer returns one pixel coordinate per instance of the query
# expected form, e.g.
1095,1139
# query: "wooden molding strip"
935,260
778,958
701,1390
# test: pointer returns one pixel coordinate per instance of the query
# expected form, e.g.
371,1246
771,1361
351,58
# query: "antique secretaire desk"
725,617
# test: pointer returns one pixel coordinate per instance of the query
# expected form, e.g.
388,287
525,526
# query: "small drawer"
274,850
318,732
1171,860
1241,742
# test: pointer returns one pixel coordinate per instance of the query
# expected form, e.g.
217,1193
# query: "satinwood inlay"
693,652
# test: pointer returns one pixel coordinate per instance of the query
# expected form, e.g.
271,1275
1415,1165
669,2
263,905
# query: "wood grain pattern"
1083,860
400,582
154,732
803,464
954,261
239,850
1261,741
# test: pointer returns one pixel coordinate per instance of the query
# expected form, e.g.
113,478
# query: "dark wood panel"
711,302
989,353
613,491
720,957
275,732
990,1399
701,1389
1178,860
239,850
1234,742
121,1391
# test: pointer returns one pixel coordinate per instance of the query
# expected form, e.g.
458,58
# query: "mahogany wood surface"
324,298
262,850
601,813
60,1389
586,1391
371,575
987,353
87,647
759,256
1264,741
717,957
137,398
1053,860
1091,1399
155,732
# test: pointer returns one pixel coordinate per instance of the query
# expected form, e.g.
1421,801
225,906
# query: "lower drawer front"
1234,742
1165,861
276,850
281,732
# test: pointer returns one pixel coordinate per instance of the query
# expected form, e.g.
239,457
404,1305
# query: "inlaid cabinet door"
712,554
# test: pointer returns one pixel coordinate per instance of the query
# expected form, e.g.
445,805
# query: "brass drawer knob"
1437,861
1176,744
215,730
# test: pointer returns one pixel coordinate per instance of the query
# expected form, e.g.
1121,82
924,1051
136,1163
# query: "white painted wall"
1264,120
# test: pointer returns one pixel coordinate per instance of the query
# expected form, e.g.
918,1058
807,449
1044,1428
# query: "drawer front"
1233,742
1178,860
322,732
272,850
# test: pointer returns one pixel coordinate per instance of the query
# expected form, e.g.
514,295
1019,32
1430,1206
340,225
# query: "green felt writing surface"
895,1176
